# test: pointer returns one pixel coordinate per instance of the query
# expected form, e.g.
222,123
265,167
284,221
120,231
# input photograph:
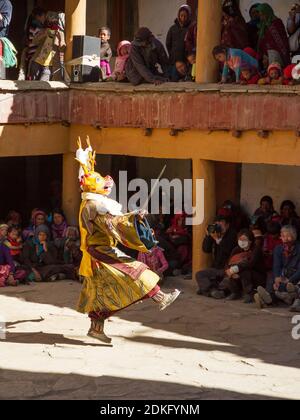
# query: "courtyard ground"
198,349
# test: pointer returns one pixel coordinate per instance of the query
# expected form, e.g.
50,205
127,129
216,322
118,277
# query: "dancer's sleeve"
124,230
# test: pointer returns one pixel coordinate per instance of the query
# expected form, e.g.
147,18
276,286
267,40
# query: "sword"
145,206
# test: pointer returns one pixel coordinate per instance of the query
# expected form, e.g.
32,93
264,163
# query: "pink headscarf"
121,59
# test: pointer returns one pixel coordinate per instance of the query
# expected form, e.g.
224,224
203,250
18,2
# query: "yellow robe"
108,288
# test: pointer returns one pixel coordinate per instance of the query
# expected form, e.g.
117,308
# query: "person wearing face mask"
148,60
293,29
219,241
245,270
234,28
286,271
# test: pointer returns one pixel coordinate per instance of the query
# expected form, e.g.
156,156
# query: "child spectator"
249,76
274,77
14,243
105,52
288,75
178,72
234,60
177,33
123,52
155,260
3,232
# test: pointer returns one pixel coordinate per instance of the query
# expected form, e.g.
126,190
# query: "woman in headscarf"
177,33
252,26
41,256
234,28
38,217
272,35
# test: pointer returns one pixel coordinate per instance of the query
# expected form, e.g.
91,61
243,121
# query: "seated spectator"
238,217
177,33
105,52
3,232
220,241
41,256
155,260
7,268
14,219
289,216
72,252
293,29
179,237
14,243
245,270
258,238
38,218
274,75
272,240
148,60
178,72
266,211
234,29
253,26
233,59
10,273
123,52
272,35
59,228
249,76
286,271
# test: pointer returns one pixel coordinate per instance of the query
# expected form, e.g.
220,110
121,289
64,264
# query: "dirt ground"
198,349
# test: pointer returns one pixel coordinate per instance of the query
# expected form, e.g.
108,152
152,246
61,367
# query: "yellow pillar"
208,36
71,188
205,170
75,22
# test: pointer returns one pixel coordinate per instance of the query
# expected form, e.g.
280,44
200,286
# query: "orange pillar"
75,22
205,170
208,36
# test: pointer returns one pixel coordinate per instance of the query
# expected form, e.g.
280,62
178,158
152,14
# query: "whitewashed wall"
158,15
96,16
280,182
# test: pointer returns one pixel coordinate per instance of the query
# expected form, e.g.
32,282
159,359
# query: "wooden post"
204,170
75,22
208,36
71,188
